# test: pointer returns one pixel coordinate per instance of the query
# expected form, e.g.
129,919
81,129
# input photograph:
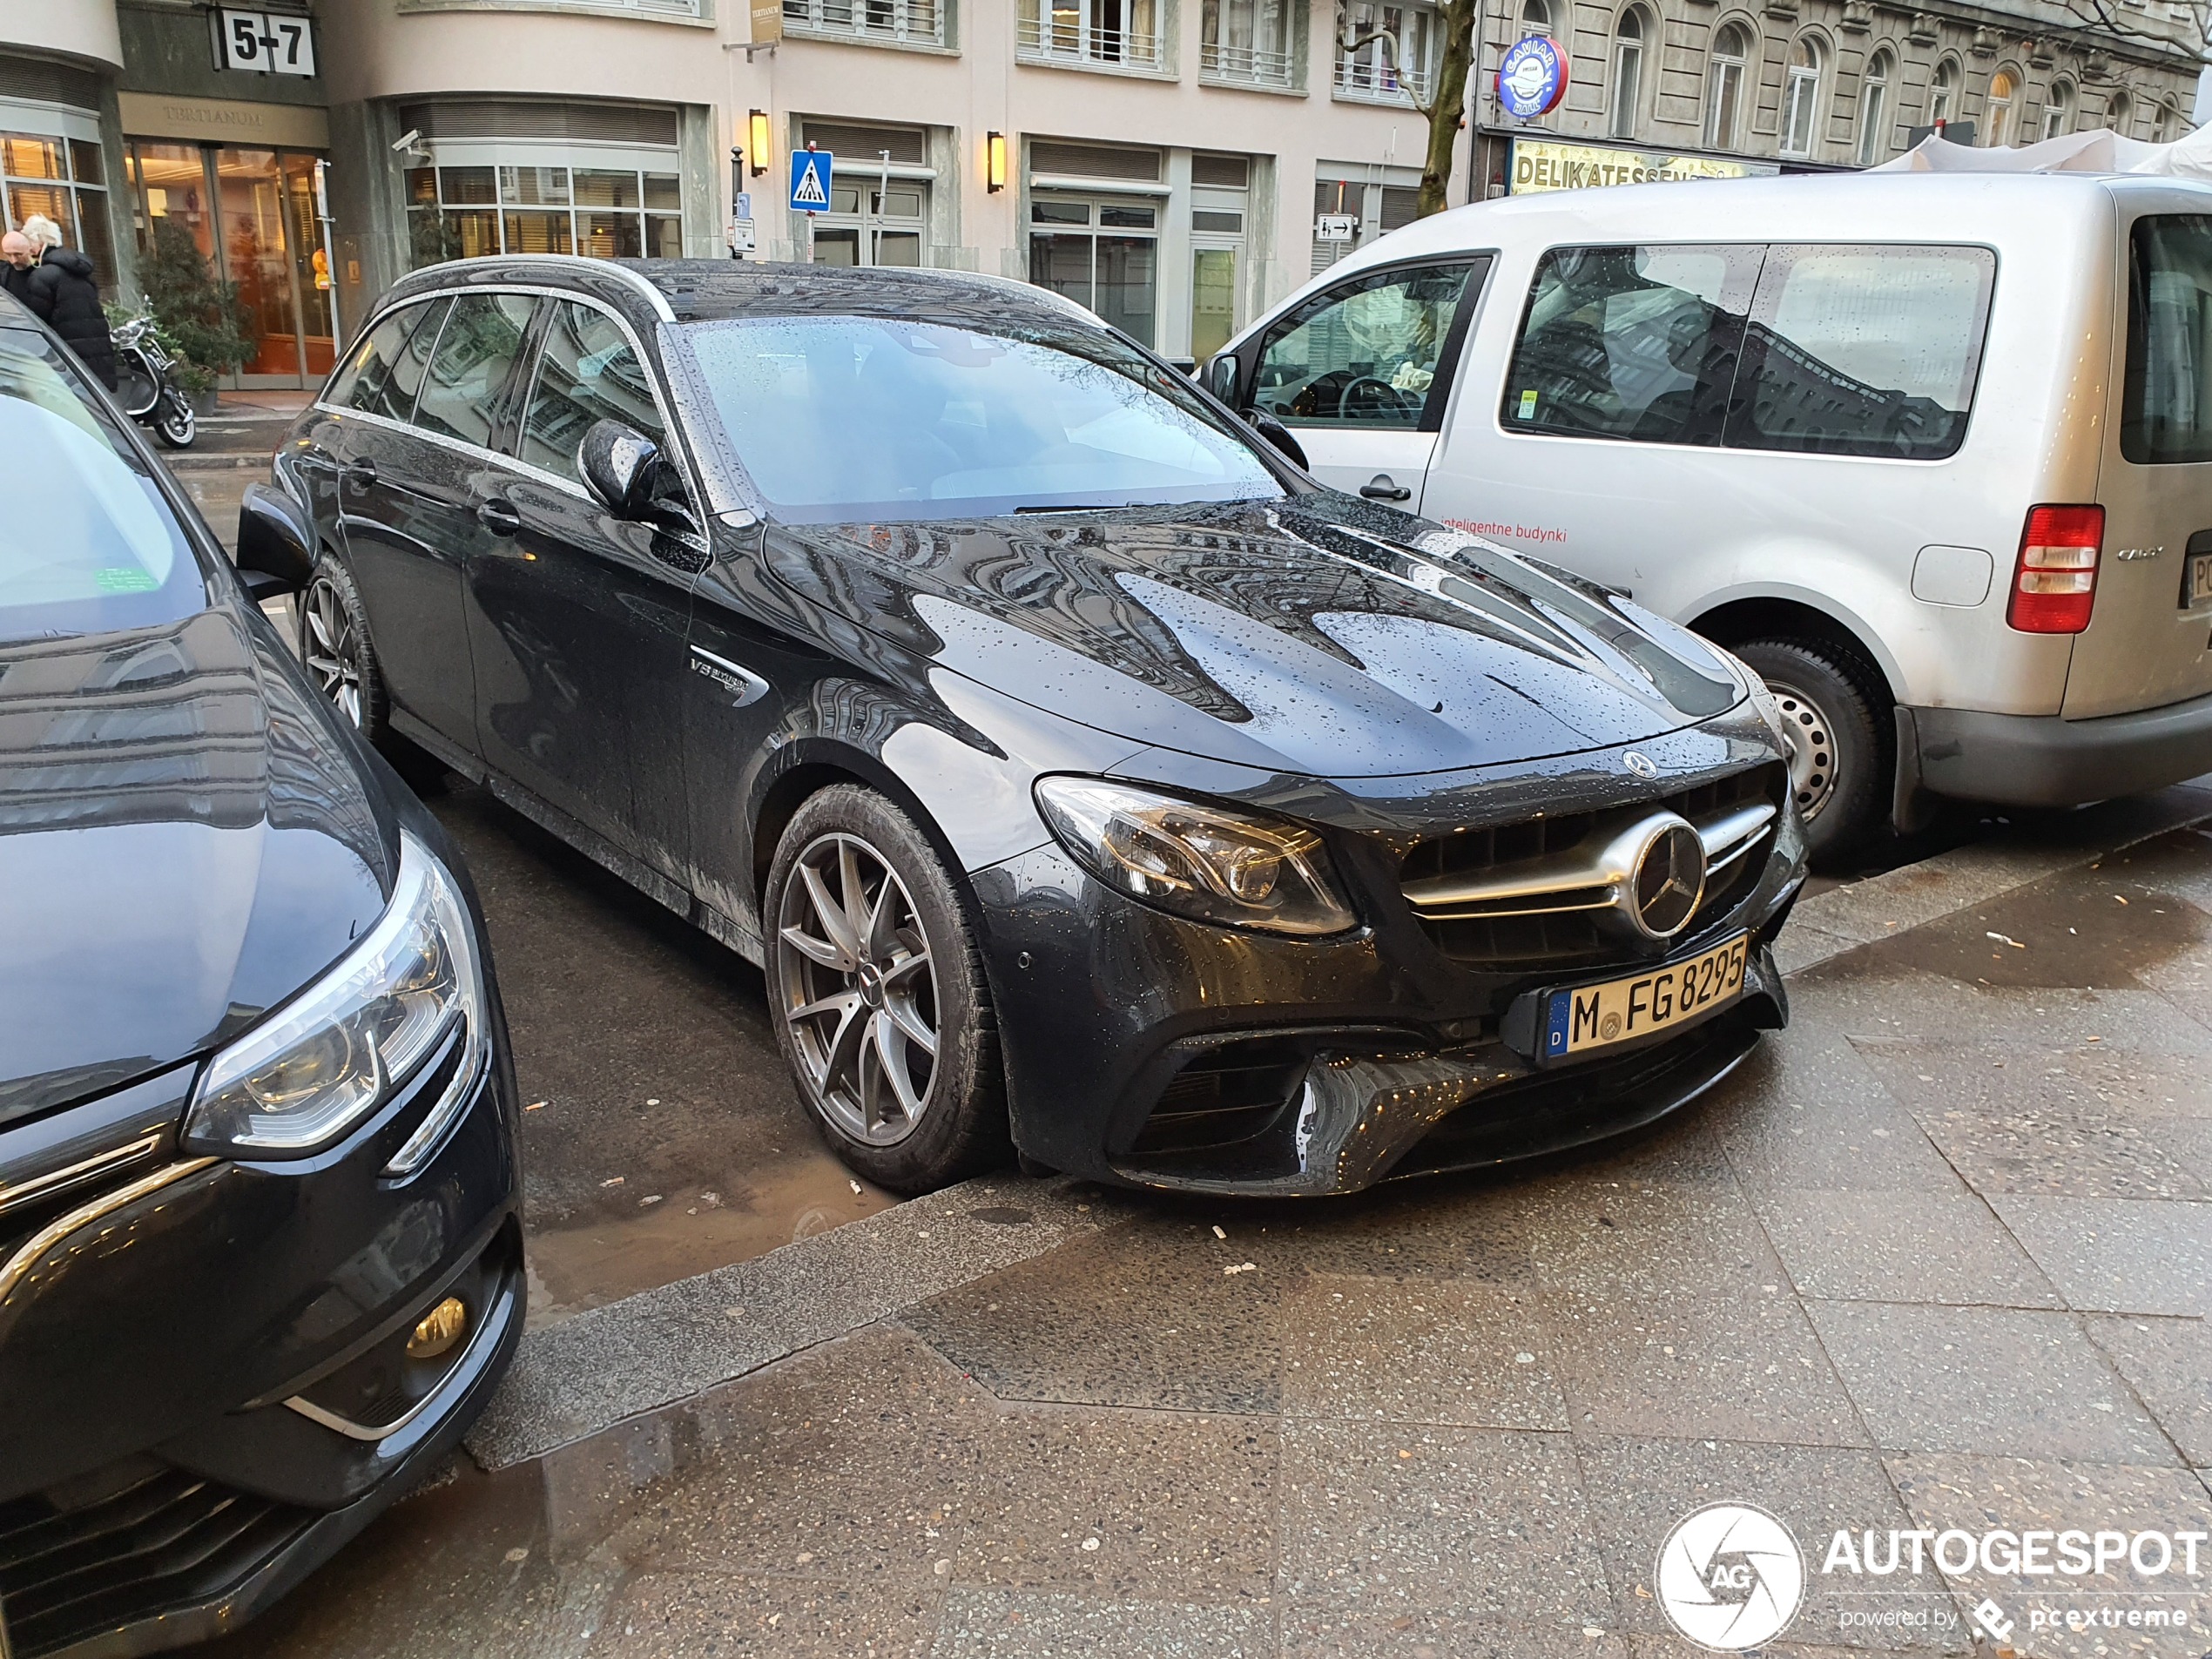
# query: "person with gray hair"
63,291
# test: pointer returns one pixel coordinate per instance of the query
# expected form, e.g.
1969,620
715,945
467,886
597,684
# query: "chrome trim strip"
496,1320
1737,831
750,687
19,1265
53,1180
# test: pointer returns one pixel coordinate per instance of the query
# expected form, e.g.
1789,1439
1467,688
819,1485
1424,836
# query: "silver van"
1933,453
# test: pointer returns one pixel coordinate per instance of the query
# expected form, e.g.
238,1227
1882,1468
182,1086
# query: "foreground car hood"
1312,636
182,845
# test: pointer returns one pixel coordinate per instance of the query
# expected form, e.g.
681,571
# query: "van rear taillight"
2055,581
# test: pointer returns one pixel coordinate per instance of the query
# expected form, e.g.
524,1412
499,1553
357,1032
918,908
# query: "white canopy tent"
2098,151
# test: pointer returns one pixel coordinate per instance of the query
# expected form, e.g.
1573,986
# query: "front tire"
175,425
336,649
1834,714
877,991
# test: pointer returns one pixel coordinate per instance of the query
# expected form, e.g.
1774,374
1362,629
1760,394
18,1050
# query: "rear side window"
1631,342
1863,351
586,371
476,352
386,369
1371,353
2166,415
1826,349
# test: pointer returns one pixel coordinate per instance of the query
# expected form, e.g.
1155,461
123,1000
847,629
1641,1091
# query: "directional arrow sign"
810,180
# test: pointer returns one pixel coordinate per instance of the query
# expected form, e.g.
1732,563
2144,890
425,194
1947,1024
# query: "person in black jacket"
18,260
63,293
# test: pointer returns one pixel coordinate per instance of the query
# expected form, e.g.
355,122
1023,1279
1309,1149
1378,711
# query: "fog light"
438,1330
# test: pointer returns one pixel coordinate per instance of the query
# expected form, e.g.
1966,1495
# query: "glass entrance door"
1104,255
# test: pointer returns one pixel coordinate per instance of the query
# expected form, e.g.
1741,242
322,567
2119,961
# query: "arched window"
1943,93
1724,87
2058,111
2001,106
1801,100
2161,124
1628,73
1874,109
2118,115
1535,16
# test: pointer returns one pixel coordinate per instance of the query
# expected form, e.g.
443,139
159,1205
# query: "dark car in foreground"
1077,769
259,1256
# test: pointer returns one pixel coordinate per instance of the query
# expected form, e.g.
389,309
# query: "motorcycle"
143,386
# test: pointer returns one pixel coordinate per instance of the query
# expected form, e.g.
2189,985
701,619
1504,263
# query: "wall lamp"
995,161
757,141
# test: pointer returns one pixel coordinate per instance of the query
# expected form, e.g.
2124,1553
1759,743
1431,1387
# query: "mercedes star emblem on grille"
1669,880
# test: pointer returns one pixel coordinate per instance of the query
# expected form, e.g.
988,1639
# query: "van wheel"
336,649
1840,766
877,991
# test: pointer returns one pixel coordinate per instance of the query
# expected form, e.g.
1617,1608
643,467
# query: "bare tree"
1445,107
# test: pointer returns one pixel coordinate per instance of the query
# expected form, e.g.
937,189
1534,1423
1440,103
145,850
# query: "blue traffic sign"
1532,78
810,180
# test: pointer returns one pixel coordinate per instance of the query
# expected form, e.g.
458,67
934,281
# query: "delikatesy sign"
1532,78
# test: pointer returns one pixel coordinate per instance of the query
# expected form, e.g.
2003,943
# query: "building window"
903,22
1535,18
1874,109
66,180
1100,253
2118,113
1246,41
1388,52
1801,100
888,230
2058,111
612,213
2001,107
1628,73
2161,123
1121,33
1943,93
1724,87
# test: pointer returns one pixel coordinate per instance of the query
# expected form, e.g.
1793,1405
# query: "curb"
217,462
621,1361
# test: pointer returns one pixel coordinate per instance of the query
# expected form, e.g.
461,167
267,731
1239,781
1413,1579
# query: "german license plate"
2199,584
1585,1018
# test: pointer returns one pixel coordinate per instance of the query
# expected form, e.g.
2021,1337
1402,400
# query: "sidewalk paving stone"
2004,1381
2116,1257
1901,1247
2168,1363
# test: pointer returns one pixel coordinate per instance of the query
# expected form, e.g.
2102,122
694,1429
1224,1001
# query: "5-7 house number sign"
270,43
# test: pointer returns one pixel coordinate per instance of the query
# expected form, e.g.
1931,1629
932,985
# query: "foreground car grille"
153,1539
1565,925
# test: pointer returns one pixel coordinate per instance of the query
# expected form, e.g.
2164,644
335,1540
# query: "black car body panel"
1385,681
189,839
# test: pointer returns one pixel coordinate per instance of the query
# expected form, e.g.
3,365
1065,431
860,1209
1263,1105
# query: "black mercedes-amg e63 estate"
1078,771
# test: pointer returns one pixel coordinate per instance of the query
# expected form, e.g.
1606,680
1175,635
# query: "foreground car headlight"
303,1080
1241,869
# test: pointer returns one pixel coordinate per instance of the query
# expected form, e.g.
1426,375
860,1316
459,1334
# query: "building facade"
1176,165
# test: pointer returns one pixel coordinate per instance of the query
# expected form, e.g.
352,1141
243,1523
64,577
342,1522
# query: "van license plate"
1585,1018
2199,583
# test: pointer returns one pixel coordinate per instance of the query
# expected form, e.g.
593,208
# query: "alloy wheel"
857,983
1812,748
333,647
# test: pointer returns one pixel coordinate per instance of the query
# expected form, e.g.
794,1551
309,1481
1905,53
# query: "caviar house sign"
1544,163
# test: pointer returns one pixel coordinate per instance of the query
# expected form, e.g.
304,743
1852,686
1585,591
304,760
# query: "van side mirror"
276,543
620,467
1278,434
1222,376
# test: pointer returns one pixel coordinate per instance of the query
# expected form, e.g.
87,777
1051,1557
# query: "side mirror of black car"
621,466
1278,434
276,544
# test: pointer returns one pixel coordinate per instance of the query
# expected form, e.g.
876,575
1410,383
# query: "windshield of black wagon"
853,419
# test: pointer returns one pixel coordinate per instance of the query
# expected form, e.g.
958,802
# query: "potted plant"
201,319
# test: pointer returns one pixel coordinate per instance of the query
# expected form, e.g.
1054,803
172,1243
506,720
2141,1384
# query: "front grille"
1570,937
148,1539
1231,1094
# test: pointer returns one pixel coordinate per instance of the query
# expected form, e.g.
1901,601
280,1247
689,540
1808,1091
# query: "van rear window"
1834,349
2166,415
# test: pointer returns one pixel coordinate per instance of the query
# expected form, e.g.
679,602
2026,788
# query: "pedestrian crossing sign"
810,180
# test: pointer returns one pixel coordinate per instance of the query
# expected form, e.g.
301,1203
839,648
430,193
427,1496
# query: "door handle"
1383,487
359,474
498,517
